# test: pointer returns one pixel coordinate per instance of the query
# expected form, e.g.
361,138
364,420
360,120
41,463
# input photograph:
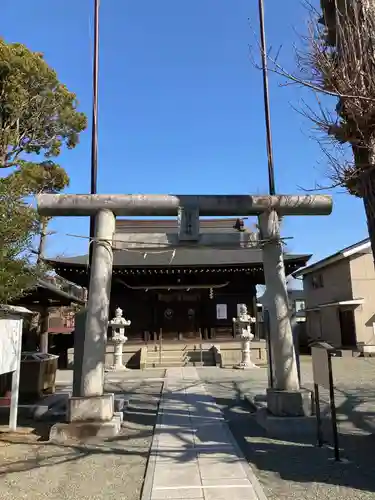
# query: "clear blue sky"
181,107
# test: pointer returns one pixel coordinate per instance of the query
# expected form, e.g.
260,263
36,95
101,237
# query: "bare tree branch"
337,59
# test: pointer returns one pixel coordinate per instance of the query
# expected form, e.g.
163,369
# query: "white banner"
10,343
221,311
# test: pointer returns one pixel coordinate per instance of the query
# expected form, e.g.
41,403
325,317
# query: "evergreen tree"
38,117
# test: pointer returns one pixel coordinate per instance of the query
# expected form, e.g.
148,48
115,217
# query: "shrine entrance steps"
179,354
208,353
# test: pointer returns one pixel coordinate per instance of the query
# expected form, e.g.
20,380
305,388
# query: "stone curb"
152,457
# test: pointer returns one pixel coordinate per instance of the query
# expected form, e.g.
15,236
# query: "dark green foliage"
38,117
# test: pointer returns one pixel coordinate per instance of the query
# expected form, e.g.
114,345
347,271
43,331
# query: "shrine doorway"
179,316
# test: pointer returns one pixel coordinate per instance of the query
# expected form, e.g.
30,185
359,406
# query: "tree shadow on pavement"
66,454
134,440
290,460
298,459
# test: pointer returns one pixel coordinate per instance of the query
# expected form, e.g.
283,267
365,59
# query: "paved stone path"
193,454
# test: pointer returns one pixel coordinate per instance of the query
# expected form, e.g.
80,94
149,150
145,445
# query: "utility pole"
94,125
267,113
271,171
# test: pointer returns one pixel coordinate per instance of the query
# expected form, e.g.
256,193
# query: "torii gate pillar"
286,398
91,412
92,380
94,407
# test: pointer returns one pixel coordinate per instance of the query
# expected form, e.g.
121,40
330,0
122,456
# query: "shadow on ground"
27,430
290,460
31,439
300,461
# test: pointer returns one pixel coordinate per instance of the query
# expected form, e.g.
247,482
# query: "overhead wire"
167,247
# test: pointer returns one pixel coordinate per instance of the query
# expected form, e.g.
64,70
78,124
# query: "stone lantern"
118,325
242,325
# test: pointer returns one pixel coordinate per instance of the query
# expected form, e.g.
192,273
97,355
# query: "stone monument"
242,325
118,325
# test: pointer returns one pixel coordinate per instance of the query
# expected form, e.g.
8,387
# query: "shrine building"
181,290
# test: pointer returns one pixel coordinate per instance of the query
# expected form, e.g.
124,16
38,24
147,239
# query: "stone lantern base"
116,368
246,363
242,366
117,358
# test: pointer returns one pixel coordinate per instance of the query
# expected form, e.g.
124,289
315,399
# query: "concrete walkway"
193,454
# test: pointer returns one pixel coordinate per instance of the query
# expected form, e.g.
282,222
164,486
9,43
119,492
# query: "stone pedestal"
88,417
118,365
290,403
119,343
86,431
94,409
288,415
246,362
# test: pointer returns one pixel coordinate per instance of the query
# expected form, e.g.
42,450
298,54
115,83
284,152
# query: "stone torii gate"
286,398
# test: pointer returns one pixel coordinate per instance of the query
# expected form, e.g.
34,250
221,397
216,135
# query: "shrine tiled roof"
182,257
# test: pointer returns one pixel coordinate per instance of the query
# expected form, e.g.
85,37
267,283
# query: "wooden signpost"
322,373
11,320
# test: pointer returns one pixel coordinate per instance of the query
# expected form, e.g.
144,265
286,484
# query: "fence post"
160,345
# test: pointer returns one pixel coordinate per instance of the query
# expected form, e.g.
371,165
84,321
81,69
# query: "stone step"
167,354
166,364
178,357
157,361
173,364
206,345
179,353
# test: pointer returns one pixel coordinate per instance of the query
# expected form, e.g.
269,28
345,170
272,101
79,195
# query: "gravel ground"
354,380
108,470
289,469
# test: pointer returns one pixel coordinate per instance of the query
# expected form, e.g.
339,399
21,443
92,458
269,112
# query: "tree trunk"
369,203
42,241
44,323
365,163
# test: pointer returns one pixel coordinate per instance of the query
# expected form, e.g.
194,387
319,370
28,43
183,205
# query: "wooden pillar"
154,326
255,315
44,323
